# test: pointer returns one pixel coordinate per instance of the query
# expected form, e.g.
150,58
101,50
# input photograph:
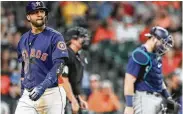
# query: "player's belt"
29,90
153,93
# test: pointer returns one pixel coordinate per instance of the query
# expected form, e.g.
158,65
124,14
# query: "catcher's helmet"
35,5
78,32
162,35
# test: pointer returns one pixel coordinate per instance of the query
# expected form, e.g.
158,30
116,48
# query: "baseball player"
77,38
42,52
144,87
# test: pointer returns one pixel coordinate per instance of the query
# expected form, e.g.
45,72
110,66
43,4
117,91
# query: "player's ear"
28,17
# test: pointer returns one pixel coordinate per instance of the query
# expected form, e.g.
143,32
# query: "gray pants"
145,103
53,101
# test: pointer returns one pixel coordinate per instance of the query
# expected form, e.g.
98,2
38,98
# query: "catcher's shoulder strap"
140,56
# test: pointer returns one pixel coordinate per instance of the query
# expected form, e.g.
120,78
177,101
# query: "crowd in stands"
116,28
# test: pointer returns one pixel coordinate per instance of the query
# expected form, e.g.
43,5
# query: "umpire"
76,38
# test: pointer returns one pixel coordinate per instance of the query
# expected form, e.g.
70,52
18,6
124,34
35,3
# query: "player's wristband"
165,93
129,100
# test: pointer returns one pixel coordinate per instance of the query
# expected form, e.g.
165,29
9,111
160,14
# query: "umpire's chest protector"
152,63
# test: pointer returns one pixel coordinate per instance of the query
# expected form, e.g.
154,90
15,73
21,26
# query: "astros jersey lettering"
39,52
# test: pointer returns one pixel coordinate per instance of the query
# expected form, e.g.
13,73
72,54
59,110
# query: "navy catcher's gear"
140,57
36,5
164,36
149,77
78,32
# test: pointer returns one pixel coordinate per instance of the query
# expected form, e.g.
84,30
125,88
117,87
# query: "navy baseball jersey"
39,53
147,68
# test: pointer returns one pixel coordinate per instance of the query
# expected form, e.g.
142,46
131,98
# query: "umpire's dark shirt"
75,75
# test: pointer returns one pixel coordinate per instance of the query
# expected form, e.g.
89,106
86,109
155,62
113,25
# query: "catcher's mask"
164,37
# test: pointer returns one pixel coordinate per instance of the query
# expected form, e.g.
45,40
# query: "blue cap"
35,5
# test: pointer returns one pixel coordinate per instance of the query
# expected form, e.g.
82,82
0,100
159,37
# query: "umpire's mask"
78,32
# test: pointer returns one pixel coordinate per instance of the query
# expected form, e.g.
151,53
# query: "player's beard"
38,23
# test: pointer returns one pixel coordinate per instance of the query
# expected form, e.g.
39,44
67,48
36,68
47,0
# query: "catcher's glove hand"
172,106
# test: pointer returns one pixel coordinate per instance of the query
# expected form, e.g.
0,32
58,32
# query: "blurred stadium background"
116,29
